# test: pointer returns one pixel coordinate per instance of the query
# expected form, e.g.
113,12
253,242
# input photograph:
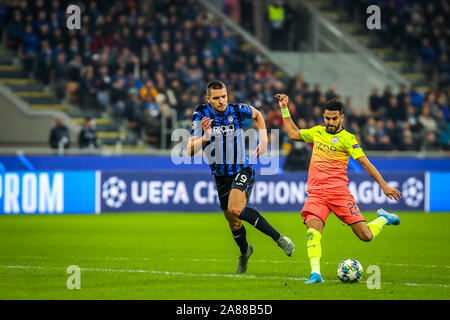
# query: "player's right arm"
196,143
291,129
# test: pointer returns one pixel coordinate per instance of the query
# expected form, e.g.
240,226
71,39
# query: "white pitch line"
217,275
173,273
290,261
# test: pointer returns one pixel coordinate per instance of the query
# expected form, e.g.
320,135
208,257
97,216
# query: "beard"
333,129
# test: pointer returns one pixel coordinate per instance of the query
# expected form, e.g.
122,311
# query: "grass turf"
193,256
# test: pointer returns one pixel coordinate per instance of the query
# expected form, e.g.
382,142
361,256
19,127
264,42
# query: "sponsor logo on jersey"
356,146
324,146
223,129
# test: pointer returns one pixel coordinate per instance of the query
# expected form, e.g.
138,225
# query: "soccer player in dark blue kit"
217,129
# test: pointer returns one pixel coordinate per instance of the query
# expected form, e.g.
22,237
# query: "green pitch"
193,256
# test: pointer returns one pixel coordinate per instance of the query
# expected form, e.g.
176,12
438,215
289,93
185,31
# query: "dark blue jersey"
226,149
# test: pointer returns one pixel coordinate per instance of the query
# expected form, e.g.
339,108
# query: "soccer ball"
349,270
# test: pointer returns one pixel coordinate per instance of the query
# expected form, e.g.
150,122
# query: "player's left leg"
239,195
375,226
237,207
362,231
368,231
345,208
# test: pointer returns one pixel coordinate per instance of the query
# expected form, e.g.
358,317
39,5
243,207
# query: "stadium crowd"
142,60
418,29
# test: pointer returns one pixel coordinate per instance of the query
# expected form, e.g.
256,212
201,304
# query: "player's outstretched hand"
392,193
282,100
206,125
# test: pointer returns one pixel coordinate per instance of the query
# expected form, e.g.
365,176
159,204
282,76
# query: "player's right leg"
314,229
238,231
239,235
314,213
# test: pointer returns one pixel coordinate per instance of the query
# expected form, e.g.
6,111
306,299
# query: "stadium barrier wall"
48,192
109,191
142,162
438,191
190,191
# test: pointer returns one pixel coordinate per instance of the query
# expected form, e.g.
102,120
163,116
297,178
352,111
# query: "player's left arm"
261,125
389,191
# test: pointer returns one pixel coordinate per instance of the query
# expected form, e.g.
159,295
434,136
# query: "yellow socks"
376,225
314,249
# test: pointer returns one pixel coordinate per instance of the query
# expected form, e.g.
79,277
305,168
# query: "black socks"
255,219
240,238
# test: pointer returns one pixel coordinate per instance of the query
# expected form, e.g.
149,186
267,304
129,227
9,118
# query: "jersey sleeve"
307,134
246,111
353,147
196,130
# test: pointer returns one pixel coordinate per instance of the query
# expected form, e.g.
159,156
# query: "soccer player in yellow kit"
327,181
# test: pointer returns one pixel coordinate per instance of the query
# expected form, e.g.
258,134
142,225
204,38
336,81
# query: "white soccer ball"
350,270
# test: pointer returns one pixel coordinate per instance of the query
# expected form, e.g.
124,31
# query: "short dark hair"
334,105
214,85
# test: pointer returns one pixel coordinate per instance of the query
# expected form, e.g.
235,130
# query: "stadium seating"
131,67
412,42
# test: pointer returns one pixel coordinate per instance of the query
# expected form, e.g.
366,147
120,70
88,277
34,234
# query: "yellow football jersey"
329,161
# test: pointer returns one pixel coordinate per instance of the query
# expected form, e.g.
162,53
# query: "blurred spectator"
133,112
393,112
87,138
276,17
416,97
103,85
428,56
352,117
14,30
118,98
427,122
370,127
299,27
59,135
384,144
375,102
44,62
401,100
408,142
331,93
247,20
29,48
315,95
370,142
412,119
431,143
61,75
